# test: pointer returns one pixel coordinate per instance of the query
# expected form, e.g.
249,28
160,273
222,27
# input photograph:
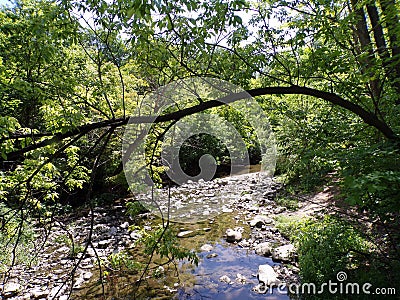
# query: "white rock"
125,225
263,249
284,253
227,210
241,279
233,235
78,283
27,296
103,244
206,248
186,233
87,275
11,288
267,275
225,279
38,293
134,235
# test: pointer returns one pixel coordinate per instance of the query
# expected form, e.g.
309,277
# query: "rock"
63,297
113,230
241,279
267,275
63,249
58,291
284,253
39,294
260,220
260,289
279,210
90,252
270,193
254,208
263,249
186,234
87,275
295,269
211,255
125,225
159,271
233,235
225,279
206,248
79,283
11,289
135,236
103,244
245,244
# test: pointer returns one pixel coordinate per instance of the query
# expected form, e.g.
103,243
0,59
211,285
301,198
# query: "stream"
240,264
232,242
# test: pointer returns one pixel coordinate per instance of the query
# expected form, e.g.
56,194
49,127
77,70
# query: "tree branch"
368,117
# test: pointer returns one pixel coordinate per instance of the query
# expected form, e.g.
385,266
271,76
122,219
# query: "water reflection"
231,261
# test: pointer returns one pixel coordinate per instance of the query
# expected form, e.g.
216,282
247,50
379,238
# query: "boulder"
40,294
284,253
233,235
11,289
267,275
260,220
263,249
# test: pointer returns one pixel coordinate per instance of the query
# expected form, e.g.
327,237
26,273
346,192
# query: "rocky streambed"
241,251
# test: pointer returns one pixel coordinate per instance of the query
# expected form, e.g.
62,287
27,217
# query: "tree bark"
392,21
368,64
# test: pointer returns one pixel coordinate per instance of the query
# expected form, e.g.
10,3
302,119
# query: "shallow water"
231,260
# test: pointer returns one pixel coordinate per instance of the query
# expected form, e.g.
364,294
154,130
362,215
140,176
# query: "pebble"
206,248
186,234
225,279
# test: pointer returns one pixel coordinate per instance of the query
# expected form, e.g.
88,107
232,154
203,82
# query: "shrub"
14,234
327,247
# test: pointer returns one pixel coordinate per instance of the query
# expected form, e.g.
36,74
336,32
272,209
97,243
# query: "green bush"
122,261
326,247
14,234
371,179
